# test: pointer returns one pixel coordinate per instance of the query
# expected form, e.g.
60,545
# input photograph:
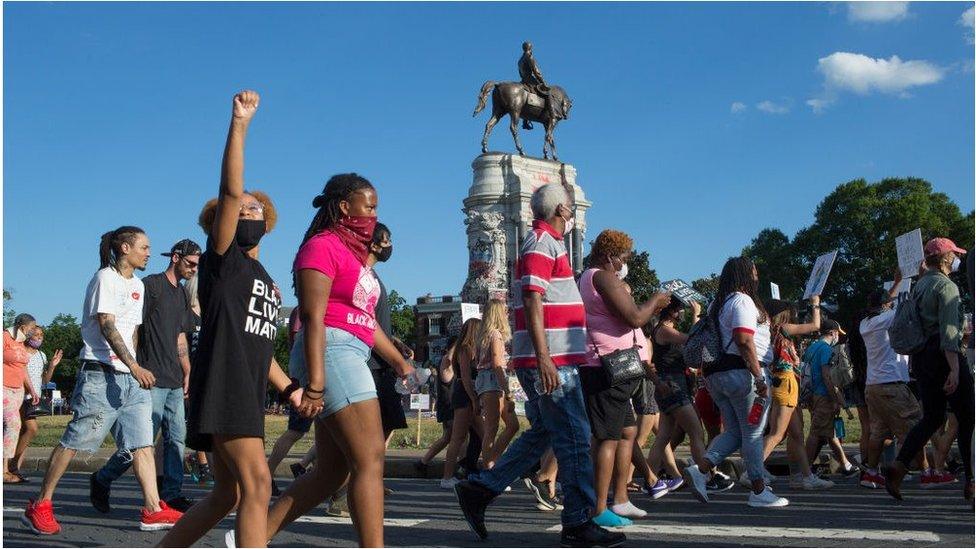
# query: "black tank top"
668,358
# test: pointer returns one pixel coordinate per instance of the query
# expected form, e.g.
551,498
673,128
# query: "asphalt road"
420,514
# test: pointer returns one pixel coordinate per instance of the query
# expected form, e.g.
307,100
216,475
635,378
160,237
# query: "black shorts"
459,397
608,408
678,396
391,404
643,400
445,412
298,423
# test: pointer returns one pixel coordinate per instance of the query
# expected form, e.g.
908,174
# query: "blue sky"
691,127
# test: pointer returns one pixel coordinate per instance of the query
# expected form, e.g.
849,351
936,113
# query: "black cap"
184,248
827,325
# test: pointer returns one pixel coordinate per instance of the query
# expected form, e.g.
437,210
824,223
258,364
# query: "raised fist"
246,104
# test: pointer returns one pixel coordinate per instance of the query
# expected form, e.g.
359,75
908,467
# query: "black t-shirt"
165,315
383,321
229,377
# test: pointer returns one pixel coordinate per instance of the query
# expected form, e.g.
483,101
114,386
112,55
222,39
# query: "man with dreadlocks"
112,390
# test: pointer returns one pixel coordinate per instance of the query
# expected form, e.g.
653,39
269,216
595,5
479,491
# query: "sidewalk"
399,463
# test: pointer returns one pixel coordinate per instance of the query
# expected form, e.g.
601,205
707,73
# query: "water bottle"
756,412
839,430
413,382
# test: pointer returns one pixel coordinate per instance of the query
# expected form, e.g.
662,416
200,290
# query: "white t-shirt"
111,293
740,313
884,364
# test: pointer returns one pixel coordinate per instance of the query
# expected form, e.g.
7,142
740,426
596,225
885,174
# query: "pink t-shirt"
355,290
606,333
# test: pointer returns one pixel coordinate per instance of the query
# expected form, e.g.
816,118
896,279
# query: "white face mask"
955,265
570,224
622,273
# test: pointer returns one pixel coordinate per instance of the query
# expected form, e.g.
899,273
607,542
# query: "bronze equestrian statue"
531,100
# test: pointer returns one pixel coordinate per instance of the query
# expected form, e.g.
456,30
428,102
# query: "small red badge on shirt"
135,296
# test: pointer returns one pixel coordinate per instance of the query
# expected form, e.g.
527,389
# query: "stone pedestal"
498,215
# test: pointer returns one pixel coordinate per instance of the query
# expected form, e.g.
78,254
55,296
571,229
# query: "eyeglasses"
253,208
191,264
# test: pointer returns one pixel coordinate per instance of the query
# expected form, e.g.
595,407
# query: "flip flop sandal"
18,481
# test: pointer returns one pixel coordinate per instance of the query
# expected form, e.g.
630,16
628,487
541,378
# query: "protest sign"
818,277
774,290
470,310
683,292
910,254
903,289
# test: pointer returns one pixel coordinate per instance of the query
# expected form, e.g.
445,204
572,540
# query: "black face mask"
249,233
385,254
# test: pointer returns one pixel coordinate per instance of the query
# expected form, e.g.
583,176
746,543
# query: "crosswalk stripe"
772,532
395,522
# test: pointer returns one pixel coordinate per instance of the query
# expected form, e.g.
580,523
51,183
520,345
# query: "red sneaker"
869,480
39,517
937,478
163,519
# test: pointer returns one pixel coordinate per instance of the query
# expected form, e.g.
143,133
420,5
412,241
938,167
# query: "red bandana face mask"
356,232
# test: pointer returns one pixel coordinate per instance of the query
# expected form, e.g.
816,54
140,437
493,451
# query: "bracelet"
287,391
309,390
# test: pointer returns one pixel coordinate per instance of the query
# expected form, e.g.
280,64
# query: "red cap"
938,246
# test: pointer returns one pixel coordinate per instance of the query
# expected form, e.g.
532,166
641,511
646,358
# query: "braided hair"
110,247
737,277
339,187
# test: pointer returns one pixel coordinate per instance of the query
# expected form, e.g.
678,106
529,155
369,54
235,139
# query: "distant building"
433,322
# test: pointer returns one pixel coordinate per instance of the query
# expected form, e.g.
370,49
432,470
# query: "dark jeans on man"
931,370
558,420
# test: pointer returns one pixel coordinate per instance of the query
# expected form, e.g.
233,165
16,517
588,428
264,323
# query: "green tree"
8,312
402,318
64,333
642,278
861,221
707,286
776,261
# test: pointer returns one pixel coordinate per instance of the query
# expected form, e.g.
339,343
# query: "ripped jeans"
106,400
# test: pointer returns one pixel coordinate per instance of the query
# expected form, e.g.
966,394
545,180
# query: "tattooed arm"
106,323
183,352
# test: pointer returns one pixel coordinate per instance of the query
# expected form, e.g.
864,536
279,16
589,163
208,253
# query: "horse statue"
519,102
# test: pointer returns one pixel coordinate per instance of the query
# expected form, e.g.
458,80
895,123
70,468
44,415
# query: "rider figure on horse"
532,78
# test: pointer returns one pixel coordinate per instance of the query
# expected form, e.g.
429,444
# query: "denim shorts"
347,376
104,401
486,382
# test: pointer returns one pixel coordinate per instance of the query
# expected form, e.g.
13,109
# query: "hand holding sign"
818,277
910,254
681,291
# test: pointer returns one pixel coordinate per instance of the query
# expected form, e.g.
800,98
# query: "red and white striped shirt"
544,267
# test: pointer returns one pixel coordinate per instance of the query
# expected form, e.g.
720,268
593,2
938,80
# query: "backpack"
841,367
905,333
704,345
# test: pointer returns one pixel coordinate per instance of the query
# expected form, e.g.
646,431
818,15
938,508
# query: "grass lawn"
52,427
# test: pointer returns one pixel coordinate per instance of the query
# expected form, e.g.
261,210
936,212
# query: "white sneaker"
628,510
767,498
449,483
696,482
508,488
813,482
229,539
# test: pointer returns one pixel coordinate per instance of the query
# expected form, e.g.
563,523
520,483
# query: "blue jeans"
168,415
557,420
106,400
733,392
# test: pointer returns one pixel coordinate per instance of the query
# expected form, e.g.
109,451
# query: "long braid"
110,246
339,187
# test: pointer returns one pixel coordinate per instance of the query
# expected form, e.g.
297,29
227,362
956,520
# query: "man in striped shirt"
549,343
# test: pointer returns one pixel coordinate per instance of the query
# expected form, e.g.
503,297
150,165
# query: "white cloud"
769,107
966,20
877,12
738,107
819,105
862,74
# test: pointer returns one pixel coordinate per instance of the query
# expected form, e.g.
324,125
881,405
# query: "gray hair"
547,198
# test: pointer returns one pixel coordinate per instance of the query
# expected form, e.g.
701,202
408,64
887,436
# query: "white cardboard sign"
910,254
419,401
818,277
903,289
470,310
774,290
